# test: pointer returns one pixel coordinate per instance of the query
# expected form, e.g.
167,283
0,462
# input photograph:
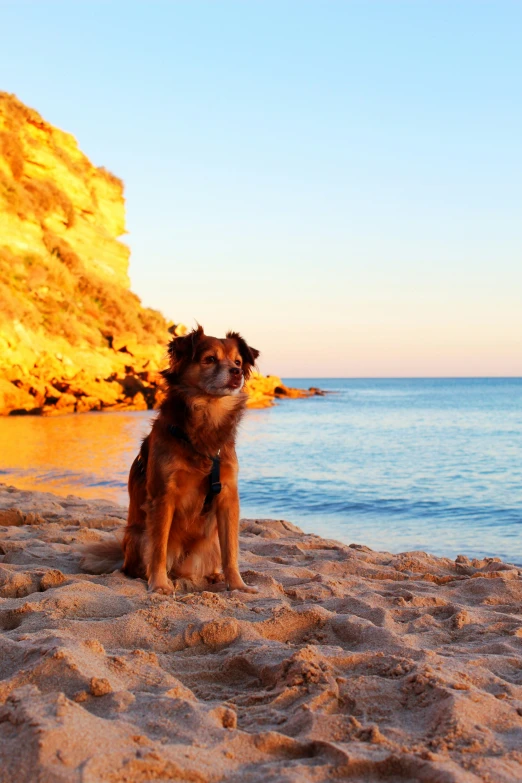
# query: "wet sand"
349,664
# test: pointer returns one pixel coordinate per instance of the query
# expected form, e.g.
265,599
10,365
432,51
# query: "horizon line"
403,377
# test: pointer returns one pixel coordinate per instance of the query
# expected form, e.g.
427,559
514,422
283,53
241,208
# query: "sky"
340,181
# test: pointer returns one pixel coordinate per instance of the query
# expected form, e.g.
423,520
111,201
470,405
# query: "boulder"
13,398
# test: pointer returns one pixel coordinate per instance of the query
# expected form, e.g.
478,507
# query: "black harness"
215,471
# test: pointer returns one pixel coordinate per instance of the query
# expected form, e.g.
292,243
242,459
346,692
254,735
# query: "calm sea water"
393,464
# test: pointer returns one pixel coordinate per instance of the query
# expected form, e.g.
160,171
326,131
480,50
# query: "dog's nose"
235,370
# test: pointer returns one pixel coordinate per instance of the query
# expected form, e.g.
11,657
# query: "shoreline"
348,663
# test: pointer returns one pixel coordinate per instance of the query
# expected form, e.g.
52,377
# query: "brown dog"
183,516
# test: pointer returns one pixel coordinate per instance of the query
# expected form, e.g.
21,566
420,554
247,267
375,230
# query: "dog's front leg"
227,513
160,510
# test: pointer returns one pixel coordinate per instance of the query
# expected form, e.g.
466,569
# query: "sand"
349,664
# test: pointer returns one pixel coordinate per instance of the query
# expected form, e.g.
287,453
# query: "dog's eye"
210,359
238,363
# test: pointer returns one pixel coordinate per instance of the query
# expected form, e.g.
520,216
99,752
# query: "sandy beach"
349,664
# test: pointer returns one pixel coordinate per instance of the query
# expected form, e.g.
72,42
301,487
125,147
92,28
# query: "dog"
183,519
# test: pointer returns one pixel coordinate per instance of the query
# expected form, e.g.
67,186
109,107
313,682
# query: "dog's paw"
241,586
248,589
163,590
163,587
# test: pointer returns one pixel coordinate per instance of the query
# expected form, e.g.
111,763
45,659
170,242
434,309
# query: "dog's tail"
103,557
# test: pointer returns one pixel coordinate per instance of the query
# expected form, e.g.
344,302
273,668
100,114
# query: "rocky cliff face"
73,337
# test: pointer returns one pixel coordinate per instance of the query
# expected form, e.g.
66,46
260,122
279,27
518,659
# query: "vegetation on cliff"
73,337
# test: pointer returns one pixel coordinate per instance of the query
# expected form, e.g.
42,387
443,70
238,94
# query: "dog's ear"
247,353
182,351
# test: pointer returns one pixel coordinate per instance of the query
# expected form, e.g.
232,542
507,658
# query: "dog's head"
215,366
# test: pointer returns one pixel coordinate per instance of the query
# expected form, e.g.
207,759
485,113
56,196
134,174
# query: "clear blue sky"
341,181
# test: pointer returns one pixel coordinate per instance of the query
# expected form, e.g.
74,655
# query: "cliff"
73,337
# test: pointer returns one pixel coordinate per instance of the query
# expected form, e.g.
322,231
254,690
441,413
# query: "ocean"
397,465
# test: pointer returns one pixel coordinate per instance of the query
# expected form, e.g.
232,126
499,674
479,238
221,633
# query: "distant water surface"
432,464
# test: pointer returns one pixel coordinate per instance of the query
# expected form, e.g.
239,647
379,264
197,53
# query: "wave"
287,496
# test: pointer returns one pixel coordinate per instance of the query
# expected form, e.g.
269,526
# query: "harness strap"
215,471
215,483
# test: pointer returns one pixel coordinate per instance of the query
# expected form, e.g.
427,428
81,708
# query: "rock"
136,403
178,330
11,516
84,404
263,389
65,402
132,385
13,398
125,343
100,686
